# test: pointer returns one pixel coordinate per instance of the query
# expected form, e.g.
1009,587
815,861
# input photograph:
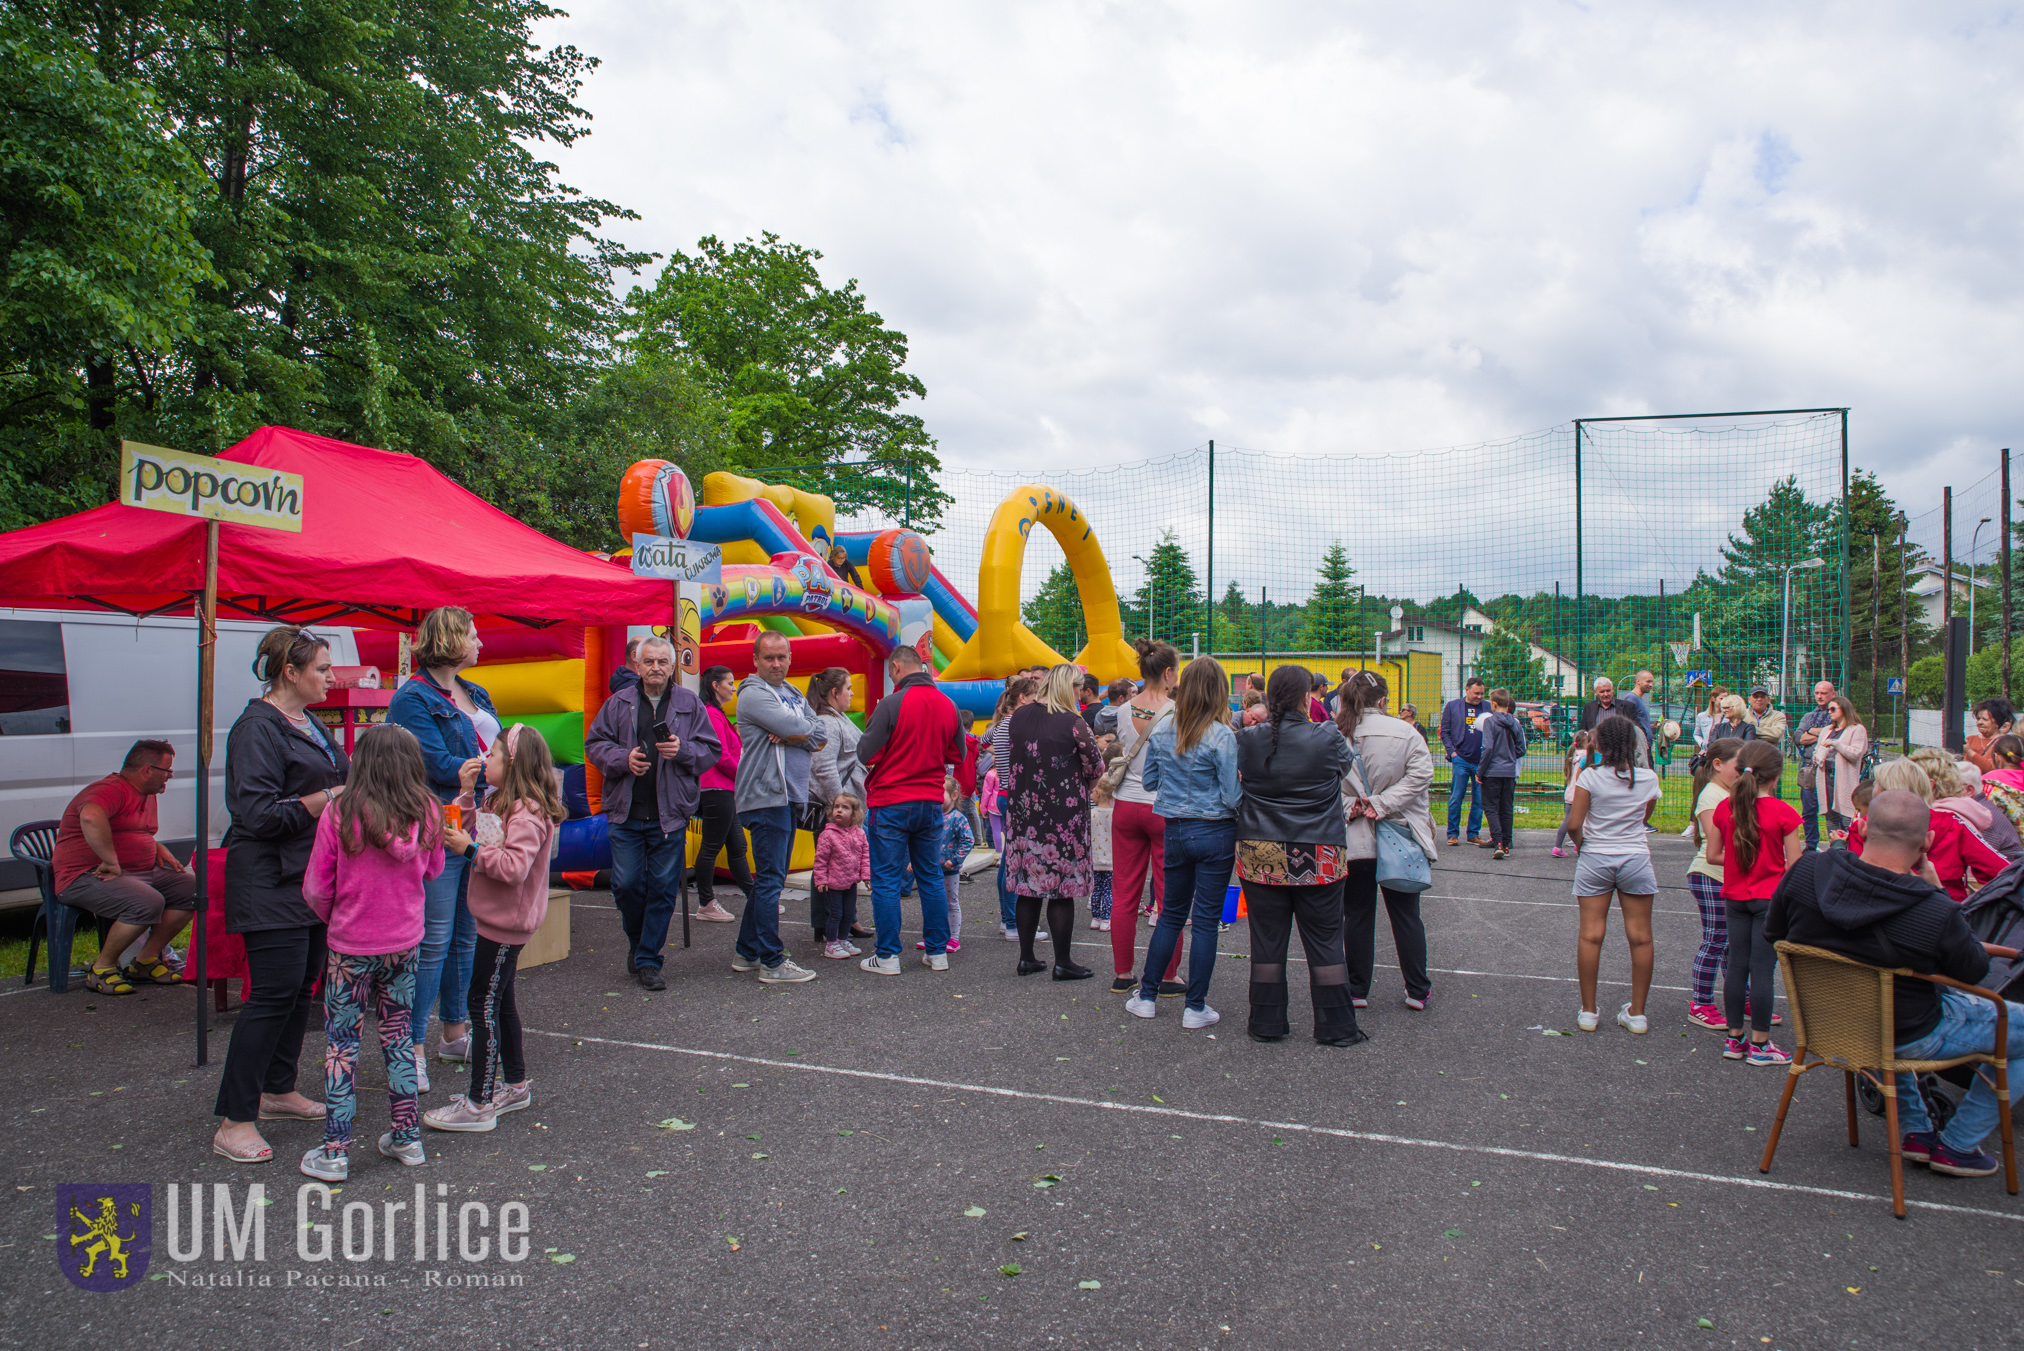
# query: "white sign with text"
676,560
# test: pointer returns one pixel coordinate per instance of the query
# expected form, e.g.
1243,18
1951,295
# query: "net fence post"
2006,572
1209,586
1580,629
1844,551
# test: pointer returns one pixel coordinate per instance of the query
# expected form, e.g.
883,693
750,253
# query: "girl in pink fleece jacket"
842,860
509,901
375,846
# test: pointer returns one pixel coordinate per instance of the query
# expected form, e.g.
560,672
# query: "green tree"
1785,528
392,262
810,373
1505,661
1331,623
1168,605
98,262
1234,624
1055,612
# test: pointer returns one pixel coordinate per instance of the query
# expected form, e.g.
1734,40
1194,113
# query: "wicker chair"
1843,1017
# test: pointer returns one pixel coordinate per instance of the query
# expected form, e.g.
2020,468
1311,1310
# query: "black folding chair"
55,922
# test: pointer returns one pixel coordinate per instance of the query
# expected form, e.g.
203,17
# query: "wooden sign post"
213,490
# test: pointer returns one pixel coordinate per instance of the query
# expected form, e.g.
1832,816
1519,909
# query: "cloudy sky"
1113,231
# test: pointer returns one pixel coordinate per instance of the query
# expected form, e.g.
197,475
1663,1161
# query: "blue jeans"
1199,858
449,937
646,876
1465,780
903,833
1809,811
1008,903
772,831
1966,1024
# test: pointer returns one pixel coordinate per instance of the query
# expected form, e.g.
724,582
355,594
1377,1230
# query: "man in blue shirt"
1811,726
1464,747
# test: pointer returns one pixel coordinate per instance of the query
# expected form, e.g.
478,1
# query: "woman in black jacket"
1291,839
281,770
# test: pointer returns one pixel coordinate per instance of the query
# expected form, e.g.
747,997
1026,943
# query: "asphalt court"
1462,1180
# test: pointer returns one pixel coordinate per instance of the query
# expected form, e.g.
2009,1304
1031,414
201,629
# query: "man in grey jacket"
652,741
779,729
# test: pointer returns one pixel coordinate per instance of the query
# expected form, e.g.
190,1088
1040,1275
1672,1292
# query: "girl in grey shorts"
1608,821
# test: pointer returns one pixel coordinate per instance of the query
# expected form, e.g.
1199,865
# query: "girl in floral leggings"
375,847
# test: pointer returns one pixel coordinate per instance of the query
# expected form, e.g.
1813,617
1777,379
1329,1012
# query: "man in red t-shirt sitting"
108,862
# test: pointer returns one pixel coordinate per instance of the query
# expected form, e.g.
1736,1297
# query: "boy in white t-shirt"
1613,801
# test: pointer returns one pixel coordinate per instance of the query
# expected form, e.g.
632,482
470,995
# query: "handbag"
1113,778
1401,863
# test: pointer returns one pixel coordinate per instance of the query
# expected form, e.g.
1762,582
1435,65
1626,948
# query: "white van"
78,687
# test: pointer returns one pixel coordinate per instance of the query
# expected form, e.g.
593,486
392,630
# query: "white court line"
1336,1132
1558,905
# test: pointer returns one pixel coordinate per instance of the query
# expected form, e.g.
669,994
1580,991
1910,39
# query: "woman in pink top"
509,901
715,808
375,847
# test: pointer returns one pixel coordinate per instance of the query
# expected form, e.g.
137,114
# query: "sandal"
106,980
157,972
264,1154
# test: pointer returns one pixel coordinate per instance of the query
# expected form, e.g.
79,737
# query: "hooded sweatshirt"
372,900
508,890
1836,901
772,775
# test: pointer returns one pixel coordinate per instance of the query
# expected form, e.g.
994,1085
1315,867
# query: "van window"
34,691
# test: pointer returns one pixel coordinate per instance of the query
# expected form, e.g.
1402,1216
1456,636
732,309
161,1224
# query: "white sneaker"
410,1154
1138,1006
421,1069
741,963
1195,1019
1011,935
1586,1021
1633,1022
880,966
329,1167
936,961
851,949
836,951
787,973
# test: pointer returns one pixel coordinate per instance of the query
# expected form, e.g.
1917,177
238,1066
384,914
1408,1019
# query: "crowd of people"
407,878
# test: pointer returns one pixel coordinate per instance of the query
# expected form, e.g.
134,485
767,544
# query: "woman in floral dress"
1052,760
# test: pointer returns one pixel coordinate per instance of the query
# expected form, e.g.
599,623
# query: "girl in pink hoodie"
509,901
375,846
842,860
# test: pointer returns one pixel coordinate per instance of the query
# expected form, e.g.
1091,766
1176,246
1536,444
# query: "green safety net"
1537,563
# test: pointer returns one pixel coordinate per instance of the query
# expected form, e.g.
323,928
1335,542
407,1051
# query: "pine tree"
1785,528
1331,622
1168,604
1055,612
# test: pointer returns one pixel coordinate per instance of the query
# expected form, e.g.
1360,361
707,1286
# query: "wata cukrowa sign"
198,485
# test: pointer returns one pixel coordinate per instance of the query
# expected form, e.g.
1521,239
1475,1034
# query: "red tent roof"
385,538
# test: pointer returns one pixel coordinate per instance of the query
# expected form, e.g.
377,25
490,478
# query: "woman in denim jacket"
1191,767
454,721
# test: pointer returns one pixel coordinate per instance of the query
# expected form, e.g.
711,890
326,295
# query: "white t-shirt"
1616,811
487,728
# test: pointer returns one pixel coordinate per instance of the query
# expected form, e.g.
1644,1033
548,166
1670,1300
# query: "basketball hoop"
1680,651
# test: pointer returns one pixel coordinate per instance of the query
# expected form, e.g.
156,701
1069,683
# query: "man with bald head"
1886,908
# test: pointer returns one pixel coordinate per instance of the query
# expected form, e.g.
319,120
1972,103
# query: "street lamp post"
1974,542
1152,599
1785,629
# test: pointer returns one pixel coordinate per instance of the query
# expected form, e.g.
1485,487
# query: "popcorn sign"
198,485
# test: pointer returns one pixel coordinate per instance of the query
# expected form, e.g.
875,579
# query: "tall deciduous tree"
811,374
1505,661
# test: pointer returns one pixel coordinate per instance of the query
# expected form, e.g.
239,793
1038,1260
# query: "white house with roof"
1927,588
1458,642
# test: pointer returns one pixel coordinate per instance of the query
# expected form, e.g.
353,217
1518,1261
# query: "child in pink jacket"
509,900
375,846
842,860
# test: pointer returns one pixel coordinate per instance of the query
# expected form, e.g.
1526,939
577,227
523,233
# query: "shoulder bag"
1114,777
1401,863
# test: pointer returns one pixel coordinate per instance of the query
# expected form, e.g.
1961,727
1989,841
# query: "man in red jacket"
909,741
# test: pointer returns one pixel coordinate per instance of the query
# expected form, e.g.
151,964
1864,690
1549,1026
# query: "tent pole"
207,663
682,884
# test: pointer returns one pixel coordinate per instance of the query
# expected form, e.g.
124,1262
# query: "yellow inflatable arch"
1002,644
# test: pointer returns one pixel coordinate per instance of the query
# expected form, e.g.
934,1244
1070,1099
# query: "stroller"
1995,915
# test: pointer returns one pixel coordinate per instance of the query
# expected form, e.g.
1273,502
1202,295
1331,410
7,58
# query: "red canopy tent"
385,538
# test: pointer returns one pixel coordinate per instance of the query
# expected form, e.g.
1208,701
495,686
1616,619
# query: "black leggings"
1274,911
496,1053
282,965
1499,800
1409,931
1060,926
719,815
1751,962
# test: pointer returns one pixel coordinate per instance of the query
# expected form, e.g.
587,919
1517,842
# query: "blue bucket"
1230,898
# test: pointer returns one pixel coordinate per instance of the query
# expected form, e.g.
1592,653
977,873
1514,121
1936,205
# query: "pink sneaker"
1776,1017
1558,852
955,945
1706,1015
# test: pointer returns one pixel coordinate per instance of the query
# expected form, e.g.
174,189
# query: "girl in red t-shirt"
1756,838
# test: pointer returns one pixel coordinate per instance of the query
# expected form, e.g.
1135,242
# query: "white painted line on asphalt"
1336,1132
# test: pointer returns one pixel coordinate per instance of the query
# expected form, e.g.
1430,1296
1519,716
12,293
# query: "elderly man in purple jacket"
652,741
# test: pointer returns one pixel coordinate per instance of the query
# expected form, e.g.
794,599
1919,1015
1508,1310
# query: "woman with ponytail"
1137,833
1756,838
